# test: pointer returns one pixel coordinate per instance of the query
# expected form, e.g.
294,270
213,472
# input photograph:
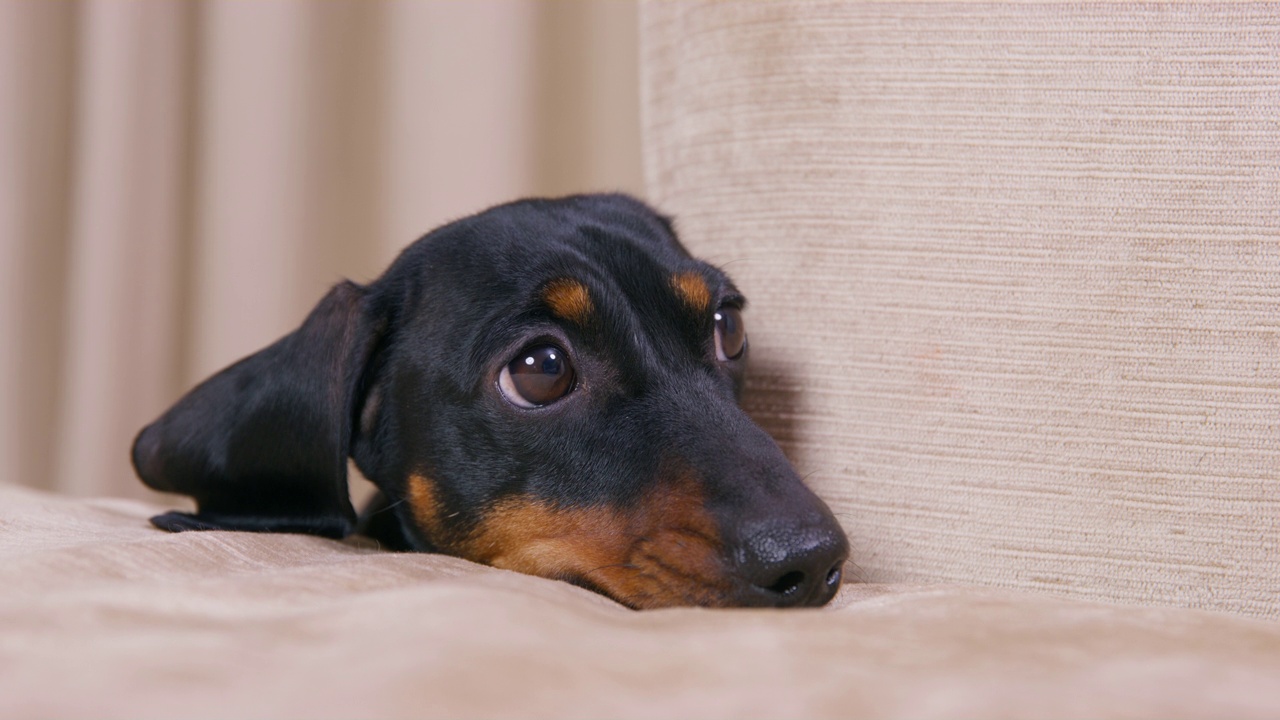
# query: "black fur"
401,375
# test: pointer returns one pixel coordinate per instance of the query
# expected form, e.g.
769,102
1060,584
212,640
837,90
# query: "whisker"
693,576
694,532
390,506
622,566
859,574
689,599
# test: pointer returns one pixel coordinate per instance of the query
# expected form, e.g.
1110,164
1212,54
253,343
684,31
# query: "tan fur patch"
693,290
666,552
426,507
569,300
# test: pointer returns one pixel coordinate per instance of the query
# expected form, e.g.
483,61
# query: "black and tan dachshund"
549,386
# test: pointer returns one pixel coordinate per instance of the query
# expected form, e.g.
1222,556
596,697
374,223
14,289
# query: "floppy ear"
263,444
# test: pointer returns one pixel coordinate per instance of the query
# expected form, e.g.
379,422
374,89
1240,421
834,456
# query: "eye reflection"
731,334
539,375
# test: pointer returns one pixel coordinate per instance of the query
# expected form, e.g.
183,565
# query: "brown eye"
731,334
538,376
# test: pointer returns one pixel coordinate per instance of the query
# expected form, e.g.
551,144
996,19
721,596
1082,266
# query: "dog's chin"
650,595
691,580
647,592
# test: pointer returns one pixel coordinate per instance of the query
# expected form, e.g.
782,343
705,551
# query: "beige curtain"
180,182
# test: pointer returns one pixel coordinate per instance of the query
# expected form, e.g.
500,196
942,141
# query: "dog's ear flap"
263,444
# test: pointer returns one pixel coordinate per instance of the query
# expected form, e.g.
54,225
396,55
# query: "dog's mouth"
637,564
669,552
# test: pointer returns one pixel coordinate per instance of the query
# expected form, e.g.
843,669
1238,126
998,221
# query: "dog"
550,386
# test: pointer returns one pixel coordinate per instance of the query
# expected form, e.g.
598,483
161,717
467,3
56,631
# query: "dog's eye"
731,334
538,376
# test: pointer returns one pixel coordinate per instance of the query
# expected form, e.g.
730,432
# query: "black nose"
793,565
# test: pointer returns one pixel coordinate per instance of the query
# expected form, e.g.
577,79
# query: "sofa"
1014,284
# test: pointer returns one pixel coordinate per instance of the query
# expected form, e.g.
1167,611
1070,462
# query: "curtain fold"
37,69
181,182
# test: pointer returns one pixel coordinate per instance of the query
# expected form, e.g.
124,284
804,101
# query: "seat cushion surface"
103,616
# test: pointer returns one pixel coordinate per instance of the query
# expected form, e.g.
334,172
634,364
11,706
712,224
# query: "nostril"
789,565
788,584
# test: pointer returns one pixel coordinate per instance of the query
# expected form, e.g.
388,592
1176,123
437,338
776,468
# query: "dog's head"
549,386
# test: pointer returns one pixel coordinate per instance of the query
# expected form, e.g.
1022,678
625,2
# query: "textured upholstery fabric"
1014,273
103,616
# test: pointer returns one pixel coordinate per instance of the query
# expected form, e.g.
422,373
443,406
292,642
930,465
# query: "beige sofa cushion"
1014,272
103,616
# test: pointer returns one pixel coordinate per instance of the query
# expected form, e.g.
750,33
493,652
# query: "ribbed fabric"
103,616
1014,274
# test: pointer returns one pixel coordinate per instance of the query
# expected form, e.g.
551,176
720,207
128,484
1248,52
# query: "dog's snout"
793,565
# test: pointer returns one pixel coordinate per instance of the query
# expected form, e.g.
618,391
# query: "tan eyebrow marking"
569,300
693,290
